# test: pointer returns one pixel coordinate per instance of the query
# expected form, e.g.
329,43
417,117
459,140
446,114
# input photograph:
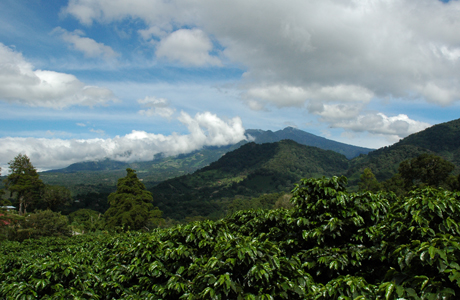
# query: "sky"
92,79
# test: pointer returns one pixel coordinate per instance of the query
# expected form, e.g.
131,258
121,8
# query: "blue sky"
89,79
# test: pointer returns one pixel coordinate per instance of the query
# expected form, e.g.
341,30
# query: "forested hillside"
104,174
250,171
236,179
441,139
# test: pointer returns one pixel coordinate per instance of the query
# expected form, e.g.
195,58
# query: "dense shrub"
331,245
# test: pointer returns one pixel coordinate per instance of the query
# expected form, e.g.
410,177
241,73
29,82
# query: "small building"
8,207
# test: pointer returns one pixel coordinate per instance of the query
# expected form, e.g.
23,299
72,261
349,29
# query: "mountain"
103,174
93,176
305,138
441,139
251,170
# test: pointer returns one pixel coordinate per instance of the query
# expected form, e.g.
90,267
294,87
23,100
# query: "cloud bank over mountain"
365,73
205,129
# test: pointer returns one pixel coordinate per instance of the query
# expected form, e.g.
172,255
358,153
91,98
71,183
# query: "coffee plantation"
331,245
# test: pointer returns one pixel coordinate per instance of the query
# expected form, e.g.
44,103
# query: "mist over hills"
441,139
210,154
256,169
206,182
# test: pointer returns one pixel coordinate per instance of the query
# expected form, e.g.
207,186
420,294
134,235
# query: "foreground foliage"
331,245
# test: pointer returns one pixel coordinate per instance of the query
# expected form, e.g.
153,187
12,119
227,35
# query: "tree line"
130,208
422,171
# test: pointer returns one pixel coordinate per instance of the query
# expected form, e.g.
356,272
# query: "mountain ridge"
251,170
308,139
441,139
259,136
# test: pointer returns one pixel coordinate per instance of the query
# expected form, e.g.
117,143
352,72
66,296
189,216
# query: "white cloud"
335,56
398,126
332,113
285,95
98,131
20,83
188,46
205,129
154,31
89,47
383,46
156,106
279,95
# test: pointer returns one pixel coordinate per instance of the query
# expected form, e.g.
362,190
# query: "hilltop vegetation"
239,178
323,243
104,174
441,139
250,171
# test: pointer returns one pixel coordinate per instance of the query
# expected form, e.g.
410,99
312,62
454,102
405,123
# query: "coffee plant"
331,245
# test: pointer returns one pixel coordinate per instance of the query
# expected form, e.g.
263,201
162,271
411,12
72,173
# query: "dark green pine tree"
24,183
131,206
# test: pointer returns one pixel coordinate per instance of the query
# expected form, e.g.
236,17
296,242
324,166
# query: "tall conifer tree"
23,182
131,205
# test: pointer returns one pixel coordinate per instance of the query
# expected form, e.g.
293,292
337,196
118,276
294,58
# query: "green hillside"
102,175
441,139
92,176
223,177
250,171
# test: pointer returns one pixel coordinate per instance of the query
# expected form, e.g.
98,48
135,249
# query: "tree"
131,205
85,220
43,223
395,184
368,181
425,170
54,196
24,182
3,202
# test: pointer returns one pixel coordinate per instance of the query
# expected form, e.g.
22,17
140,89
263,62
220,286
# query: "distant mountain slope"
106,172
251,170
97,165
307,139
441,139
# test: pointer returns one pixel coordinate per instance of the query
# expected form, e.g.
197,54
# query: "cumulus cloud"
156,106
397,127
376,45
89,47
205,129
189,47
279,95
285,95
21,83
331,57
